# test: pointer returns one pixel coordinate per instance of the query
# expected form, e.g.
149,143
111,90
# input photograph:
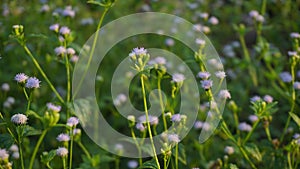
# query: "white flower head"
204,75
32,82
62,152
253,118
21,77
176,118
64,30
295,35
173,138
53,107
297,85
244,127
68,11
72,121
63,137
178,77
200,42
229,150
5,87
170,42
14,148
213,20
132,164
60,50
19,119
268,98
220,74
3,154
206,84
224,94
70,51
54,27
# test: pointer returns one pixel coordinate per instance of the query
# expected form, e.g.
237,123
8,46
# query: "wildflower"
152,119
295,35
198,125
260,18
64,30
62,152
204,75
6,104
132,164
200,42
21,78
121,98
297,85
45,8
173,138
285,77
5,87
176,118
15,155
70,51
206,126
213,20
60,50
206,84
68,12
54,27
204,15
76,132
178,77
74,58
229,150
244,127
131,118
3,154
224,94
72,121
139,57
10,100
169,42
268,98
253,118
296,136
140,127
159,60
19,119
255,99
220,74
53,107
33,82
253,13
87,21
205,29
292,53
14,148
63,137
138,51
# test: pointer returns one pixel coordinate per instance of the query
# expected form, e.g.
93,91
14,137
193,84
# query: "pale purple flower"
16,155
178,77
255,98
54,27
285,77
138,51
87,21
244,127
160,60
295,35
229,150
5,87
170,42
260,18
140,127
132,164
197,27
205,29
206,84
176,118
72,121
19,119
64,30
204,75
213,20
296,136
3,154
62,152
253,13
268,98
32,82
45,8
70,51
292,53
198,125
76,131
60,50
74,58
10,100
21,77
200,42
152,119
206,126
224,94
14,148
220,74
253,118
131,118
173,138
63,137
61,38
297,85
53,107
68,11
203,15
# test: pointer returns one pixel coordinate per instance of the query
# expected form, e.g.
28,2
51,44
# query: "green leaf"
30,131
254,152
149,165
295,118
46,157
6,141
181,153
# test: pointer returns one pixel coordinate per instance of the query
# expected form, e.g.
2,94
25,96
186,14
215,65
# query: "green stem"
247,157
161,103
25,93
251,132
86,152
21,151
263,7
36,148
176,156
251,69
68,82
165,161
64,162
92,51
236,121
148,123
71,148
268,133
29,101
117,163
37,65
137,146
289,160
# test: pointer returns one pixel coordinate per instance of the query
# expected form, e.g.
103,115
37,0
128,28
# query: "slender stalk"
67,63
117,163
29,101
25,93
71,148
161,103
137,146
36,148
251,132
268,133
263,7
165,161
176,156
21,151
37,65
289,160
92,51
247,157
64,163
86,152
148,123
